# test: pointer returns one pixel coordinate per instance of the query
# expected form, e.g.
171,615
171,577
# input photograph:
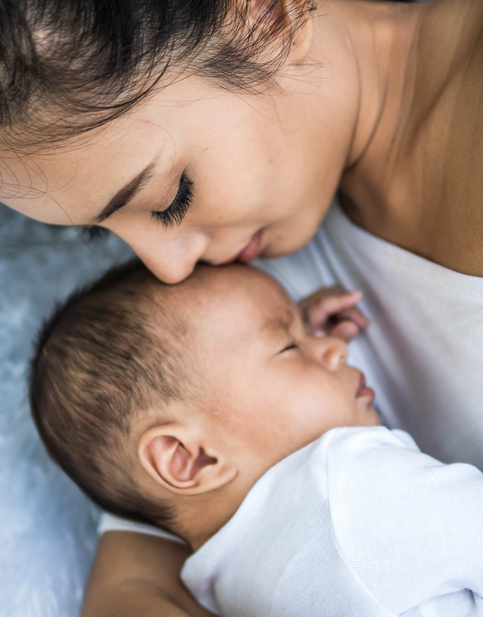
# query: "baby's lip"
362,384
363,389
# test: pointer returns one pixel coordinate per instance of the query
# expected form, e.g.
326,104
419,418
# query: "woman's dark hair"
68,66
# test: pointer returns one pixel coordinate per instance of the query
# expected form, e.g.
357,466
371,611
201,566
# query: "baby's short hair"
106,355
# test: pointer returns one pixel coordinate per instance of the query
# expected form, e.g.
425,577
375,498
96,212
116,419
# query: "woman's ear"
175,457
283,15
302,37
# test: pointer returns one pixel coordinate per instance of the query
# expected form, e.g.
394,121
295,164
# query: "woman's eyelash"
94,233
175,213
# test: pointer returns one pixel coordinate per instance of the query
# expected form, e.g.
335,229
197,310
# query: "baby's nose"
333,352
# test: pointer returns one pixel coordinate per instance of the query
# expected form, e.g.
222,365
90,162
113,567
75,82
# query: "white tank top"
423,352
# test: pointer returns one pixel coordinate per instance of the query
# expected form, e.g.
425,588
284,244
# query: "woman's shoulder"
447,19
450,48
461,115
444,155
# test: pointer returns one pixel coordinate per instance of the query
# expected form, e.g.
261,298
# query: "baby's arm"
136,575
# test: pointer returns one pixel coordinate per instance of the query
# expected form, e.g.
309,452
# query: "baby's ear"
176,458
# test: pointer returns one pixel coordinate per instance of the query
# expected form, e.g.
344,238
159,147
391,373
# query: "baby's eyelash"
289,347
175,213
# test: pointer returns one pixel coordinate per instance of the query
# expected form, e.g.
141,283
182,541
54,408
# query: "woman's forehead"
72,181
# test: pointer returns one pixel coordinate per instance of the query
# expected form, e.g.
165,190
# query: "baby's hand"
333,311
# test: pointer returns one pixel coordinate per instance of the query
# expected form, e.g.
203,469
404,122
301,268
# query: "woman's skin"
382,99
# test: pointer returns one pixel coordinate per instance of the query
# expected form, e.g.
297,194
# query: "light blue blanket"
48,528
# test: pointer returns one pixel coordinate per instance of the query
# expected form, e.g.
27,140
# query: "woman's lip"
252,249
248,254
364,390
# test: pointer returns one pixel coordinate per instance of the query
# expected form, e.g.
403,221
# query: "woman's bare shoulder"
447,137
450,30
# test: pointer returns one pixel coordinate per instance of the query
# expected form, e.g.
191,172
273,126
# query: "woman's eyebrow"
126,194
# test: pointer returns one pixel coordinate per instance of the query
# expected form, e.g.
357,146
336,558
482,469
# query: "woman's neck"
365,49
384,37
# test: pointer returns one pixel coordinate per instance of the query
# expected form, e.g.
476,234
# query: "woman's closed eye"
175,213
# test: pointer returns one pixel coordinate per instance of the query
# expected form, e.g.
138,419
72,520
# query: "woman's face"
195,173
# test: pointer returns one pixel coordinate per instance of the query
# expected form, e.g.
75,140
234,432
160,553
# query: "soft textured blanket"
48,528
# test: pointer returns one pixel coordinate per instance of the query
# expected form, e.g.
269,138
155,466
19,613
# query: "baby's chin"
373,418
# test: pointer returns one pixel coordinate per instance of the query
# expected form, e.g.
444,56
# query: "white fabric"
109,522
423,352
358,524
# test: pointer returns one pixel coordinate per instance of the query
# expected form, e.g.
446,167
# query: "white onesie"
358,524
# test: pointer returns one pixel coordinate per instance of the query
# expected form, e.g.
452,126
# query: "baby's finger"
345,330
324,307
354,314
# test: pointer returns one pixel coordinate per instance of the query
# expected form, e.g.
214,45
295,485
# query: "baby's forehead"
279,319
234,294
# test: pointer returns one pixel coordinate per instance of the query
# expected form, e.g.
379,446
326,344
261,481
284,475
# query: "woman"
220,131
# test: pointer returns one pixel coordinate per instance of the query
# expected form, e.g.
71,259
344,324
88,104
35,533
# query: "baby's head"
162,401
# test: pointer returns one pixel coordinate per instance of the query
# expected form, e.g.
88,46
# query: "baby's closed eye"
289,347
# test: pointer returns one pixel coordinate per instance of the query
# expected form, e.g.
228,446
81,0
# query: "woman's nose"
331,351
171,256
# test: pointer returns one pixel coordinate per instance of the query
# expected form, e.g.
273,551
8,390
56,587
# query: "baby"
210,409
